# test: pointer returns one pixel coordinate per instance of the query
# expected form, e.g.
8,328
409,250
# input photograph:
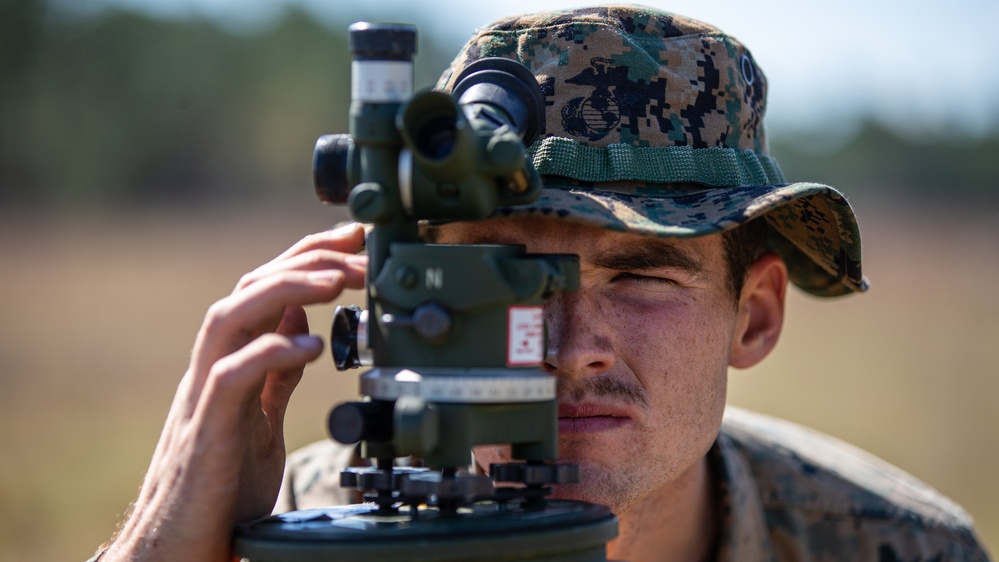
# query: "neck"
676,522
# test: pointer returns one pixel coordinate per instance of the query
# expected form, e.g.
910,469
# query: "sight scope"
454,334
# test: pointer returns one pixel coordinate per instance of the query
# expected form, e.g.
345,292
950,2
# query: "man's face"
641,352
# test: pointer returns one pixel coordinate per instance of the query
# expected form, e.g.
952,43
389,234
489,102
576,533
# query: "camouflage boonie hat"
654,125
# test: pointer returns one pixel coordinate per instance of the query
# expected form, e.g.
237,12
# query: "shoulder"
818,491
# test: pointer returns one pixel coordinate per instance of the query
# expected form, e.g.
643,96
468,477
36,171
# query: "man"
656,173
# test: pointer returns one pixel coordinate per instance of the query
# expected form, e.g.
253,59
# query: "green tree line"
942,167
121,109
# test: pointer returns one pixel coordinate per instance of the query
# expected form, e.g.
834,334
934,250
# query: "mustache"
602,386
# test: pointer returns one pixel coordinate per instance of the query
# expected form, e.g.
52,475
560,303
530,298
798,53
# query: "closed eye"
628,276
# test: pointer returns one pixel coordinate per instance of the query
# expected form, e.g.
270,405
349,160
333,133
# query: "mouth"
590,418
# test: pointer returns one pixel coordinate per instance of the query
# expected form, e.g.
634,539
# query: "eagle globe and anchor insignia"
597,115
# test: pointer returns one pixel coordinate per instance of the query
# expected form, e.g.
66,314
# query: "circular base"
562,531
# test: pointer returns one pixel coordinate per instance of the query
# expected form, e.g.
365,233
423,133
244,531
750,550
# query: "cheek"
678,337
679,354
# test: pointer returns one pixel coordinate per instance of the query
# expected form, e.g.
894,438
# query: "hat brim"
817,232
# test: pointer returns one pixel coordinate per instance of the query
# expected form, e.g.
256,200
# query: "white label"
381,81
525,344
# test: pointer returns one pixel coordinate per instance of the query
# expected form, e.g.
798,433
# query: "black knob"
329,168
343,337
351,422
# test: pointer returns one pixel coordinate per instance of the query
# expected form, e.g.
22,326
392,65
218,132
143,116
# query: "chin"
598,484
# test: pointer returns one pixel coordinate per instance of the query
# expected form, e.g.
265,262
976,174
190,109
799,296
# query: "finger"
276,394
236,380
348,239
294,321
353,266
280,385
233,321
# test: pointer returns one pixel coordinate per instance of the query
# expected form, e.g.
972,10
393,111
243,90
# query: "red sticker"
525,336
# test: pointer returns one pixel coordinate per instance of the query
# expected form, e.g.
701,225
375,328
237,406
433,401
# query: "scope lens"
436,138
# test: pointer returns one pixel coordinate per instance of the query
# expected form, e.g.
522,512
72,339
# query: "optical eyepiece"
329,168
509,86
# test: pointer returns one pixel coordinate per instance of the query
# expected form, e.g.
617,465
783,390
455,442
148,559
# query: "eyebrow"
650,254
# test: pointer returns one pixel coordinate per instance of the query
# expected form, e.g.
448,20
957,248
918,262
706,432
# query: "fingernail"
306,341
325,275
355,259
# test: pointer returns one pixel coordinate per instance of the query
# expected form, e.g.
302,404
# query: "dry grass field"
97,315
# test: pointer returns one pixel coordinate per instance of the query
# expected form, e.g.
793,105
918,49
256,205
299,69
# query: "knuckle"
277,281
232,371
218,315
247,280
322,259
224,375
270,346
312,242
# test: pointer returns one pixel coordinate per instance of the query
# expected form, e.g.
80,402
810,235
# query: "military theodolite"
455,333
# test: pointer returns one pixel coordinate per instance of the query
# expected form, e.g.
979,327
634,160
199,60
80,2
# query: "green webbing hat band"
713,167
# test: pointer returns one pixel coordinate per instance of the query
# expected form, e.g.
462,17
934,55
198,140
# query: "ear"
761,312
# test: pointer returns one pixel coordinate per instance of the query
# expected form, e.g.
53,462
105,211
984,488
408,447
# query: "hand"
221,455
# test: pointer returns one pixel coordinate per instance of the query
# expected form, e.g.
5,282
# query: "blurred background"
151,152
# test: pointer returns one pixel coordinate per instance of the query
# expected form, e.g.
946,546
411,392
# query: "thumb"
280,385
293,322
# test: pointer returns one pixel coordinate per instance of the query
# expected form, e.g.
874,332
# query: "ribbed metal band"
487,387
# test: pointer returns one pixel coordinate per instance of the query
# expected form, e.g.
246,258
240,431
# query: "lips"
590,418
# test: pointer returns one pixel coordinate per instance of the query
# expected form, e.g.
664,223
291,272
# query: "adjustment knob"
351,422
534,474
329,168
348,338
430,321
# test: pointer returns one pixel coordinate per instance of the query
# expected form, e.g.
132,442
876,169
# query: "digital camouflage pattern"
786,493
654,124
789,493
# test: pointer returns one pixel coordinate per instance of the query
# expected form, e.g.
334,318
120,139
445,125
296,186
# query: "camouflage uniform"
786,493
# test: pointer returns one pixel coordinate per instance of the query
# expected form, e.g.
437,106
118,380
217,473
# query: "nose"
579,337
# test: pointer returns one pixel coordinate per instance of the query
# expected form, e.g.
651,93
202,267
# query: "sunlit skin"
641,353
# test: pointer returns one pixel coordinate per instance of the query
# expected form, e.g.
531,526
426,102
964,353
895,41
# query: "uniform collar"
743,533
